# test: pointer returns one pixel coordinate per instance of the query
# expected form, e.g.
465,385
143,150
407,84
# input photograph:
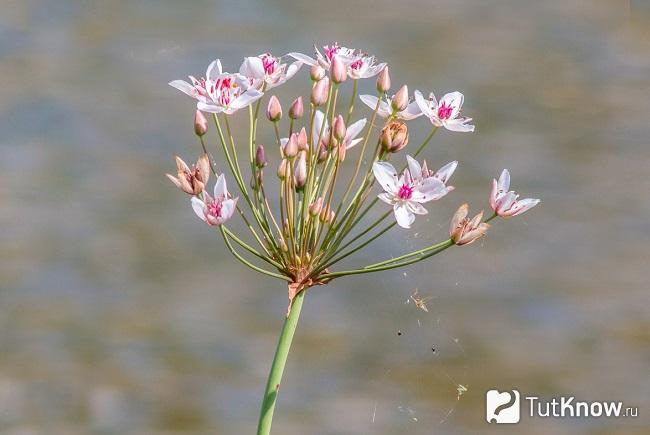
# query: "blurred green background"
120,312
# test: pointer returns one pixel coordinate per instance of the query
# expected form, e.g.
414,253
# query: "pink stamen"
405,191
214,208
444,111
269,63
330,51
357,64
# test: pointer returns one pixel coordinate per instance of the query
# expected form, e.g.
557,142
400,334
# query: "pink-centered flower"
359,64
445,113
268,70
218,91
506,203
405,193
218,209
385,110
420,173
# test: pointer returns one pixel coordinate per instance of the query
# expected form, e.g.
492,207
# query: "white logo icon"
502,407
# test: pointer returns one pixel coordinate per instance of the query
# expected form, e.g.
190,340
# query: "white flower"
420,173
267,69
445,113
506,203
218,91
405,193
364,67
217,210
412,111
359,65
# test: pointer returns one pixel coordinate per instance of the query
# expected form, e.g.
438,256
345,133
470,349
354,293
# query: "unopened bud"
200,123
274,109
383,81
320,91
291,147
338,70
316,207
301,170
339,128
296,110
316,73
260,156
342,149
400,99
322,152
283,246
394,136
282,169
302,140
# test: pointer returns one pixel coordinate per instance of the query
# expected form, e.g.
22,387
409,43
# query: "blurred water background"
120,313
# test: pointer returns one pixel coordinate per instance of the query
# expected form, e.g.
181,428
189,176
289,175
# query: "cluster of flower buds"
323,216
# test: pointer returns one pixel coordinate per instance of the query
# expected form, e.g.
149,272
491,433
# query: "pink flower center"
214,208
357,64
226,90
444,111
331,50
405,192
269,63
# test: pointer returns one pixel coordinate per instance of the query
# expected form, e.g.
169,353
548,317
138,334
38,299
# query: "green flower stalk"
301,236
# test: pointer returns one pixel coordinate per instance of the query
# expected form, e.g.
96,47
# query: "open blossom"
406,194
506,203
446,112
359,65
218,91
218,209
385,110
191,180
268,70
420,173
464,231
352,131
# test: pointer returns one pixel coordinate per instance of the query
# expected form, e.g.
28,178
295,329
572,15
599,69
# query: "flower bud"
316,207
296,110
200,123
302,140
383,81
274,109
400,99
320,92
322,152
260,156
282,169
339,128
301,170
342,149
338,70
316,73
394,136
291,147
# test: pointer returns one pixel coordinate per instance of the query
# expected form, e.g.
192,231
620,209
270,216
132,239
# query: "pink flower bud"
200,123
291,147
383,81
282,169
339,128
316,73
274,109
322,152
296,110
400,99
260,156
320,92
341,152
338,70
316,207
302,140
301,170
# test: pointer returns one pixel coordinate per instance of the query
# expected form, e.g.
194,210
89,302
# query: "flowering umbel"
336,172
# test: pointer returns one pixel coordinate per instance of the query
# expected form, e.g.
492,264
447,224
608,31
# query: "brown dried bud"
200,123
191,180
464,231
394,136
383,81
400,99
296,110
274,109
260,156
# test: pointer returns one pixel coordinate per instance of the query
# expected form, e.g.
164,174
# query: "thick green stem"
277,368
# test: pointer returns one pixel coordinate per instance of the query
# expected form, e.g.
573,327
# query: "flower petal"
247,98
459,125
415,207
414,168
198,206
430,189
252,67
444,174
220,187
184,87
386,176
453,100
504,181
387,198
423,104
403,216
303,58
412,111
523,206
